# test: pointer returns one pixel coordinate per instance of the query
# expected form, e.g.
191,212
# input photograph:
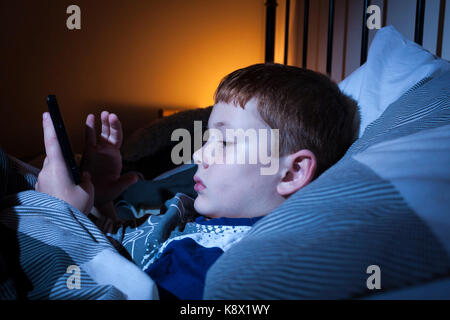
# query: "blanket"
51,250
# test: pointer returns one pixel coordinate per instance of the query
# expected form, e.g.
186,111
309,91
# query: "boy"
316,124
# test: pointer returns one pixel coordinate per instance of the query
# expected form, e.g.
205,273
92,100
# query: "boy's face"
229,187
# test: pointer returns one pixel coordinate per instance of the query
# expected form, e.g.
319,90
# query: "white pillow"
394,65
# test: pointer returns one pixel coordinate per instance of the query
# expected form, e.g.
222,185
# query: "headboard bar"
330,35
420,14
286,32
270,30
364,33
305,33
440,28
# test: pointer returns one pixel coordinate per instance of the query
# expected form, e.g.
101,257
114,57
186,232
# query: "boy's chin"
201,206
198,204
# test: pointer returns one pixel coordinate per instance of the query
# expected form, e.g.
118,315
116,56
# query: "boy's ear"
299,170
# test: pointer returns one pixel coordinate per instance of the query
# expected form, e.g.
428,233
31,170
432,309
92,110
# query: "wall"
134,57
130,57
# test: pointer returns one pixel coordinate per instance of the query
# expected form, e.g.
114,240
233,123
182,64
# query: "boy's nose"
198,158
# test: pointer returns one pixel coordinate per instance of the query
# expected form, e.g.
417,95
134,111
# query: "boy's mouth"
199,186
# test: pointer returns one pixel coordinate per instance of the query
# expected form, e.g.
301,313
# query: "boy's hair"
307,107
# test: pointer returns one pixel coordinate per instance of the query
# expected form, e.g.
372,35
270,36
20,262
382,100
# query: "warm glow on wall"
178,56
129,57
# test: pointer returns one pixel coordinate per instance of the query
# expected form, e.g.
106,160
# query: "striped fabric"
320,242
44,239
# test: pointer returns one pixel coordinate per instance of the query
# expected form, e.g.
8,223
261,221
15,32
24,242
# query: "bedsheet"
51,250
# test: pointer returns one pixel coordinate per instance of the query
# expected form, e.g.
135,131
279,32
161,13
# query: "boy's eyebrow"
219,124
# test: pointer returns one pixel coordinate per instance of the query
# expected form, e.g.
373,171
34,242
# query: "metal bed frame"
270,29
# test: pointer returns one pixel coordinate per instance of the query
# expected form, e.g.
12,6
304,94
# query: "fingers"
111,129
105,125
90,137
115,132
52,148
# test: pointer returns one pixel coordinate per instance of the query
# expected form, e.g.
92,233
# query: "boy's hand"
55,179
102,159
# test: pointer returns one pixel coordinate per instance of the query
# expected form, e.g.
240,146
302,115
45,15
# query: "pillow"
393,66
385,203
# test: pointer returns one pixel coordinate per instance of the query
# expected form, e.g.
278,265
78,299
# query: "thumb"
52,148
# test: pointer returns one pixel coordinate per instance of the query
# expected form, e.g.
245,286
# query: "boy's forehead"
227,115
